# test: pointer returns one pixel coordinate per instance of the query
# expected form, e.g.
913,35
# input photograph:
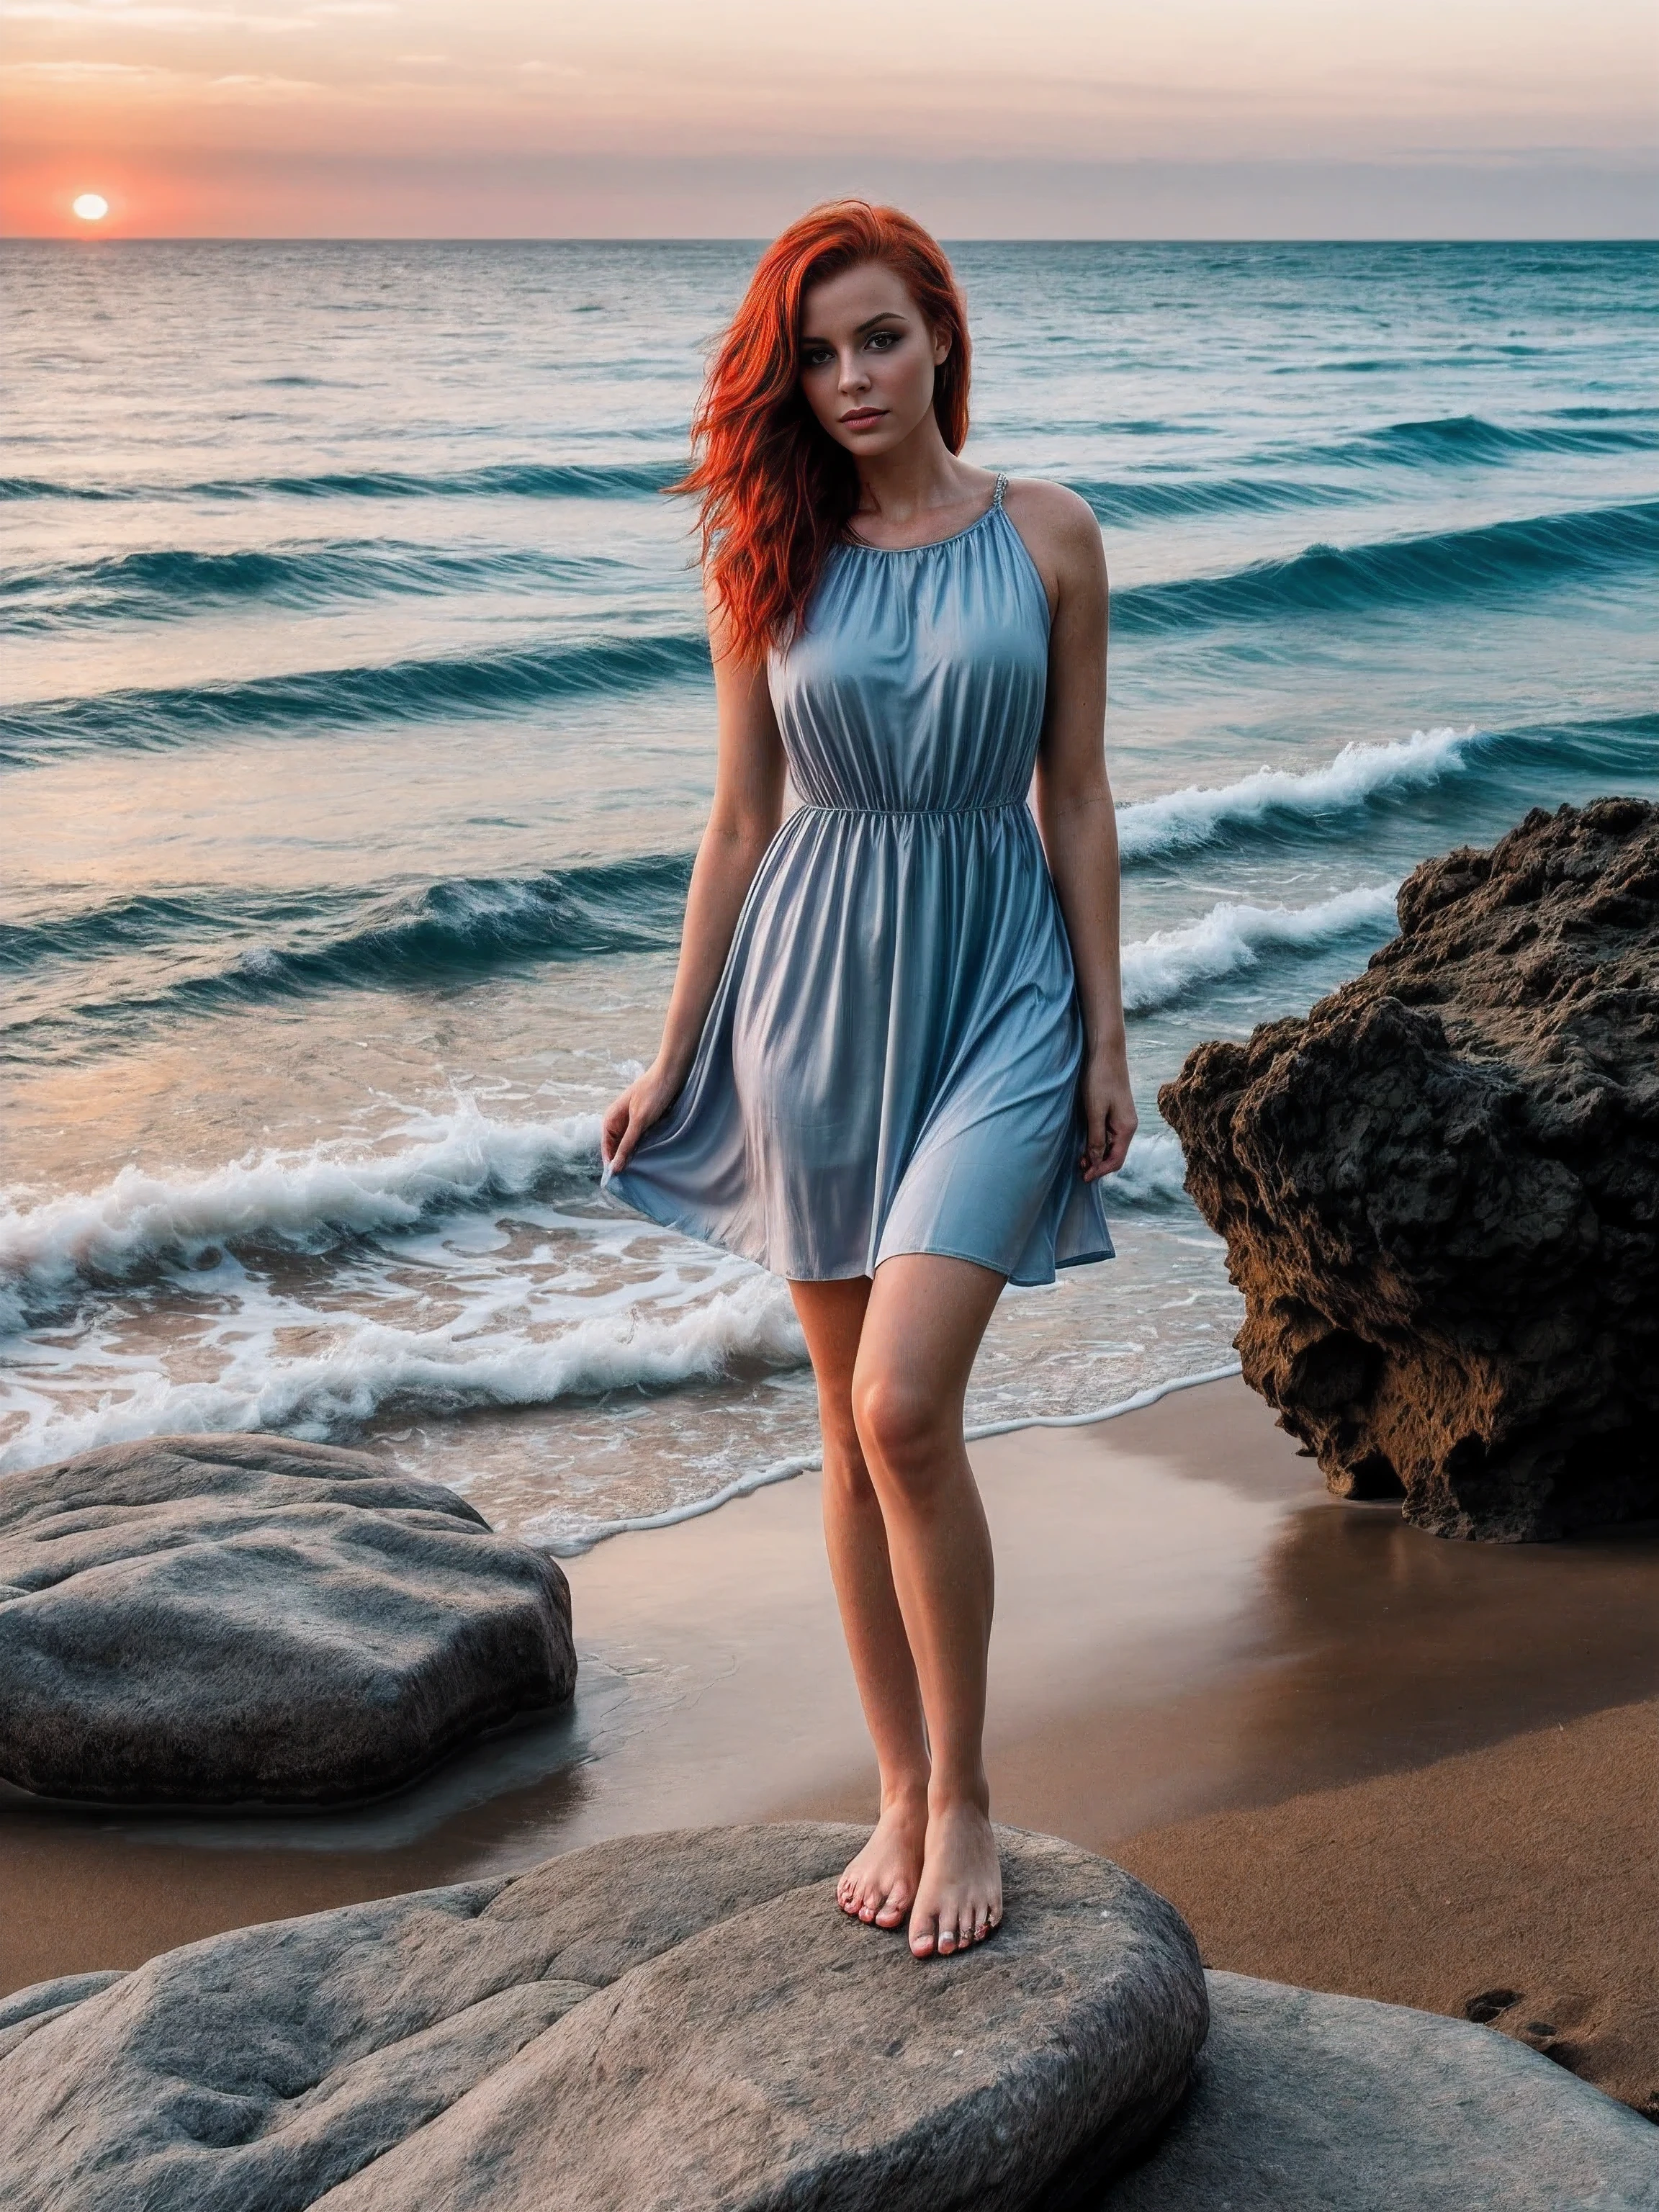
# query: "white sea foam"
1154,1173
371,1369
1178,820
303,1200
1163,968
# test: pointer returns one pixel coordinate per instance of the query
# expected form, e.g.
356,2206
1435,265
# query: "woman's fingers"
614,1140
1110,1126
1121,1126
625,1144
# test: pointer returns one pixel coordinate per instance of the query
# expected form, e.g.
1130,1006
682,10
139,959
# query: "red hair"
777,490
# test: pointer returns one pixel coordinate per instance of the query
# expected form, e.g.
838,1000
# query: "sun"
91,207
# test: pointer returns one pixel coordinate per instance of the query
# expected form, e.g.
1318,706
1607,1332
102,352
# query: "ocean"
357,733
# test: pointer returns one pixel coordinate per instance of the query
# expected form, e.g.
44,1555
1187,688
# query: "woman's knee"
843,1453
901,1429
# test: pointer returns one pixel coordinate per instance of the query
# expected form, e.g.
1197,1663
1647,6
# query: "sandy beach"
1357,1757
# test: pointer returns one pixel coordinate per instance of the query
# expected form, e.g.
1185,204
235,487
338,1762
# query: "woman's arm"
1074,807
748,806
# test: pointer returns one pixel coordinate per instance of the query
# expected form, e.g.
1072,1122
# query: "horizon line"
78,239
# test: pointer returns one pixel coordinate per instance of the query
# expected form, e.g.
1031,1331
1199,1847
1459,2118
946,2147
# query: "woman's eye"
815,357
886,340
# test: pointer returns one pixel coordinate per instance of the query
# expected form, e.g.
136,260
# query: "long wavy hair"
777,491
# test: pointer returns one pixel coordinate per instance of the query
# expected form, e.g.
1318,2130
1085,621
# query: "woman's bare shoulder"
1051,508
1059,528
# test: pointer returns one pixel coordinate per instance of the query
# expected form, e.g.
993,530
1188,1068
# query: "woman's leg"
921,1328
879,1884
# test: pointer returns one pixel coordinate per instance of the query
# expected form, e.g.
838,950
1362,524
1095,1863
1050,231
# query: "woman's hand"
1108,1111
644,1103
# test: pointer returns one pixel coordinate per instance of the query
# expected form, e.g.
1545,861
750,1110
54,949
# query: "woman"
893,1067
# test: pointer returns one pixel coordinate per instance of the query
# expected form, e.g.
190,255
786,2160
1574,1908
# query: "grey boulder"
657,2024
1305,2102
234,1619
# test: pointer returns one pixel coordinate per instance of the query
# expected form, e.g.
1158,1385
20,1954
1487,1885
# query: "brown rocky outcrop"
1440,1191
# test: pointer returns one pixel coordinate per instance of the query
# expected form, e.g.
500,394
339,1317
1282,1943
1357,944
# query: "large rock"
221,1620
1320,2104
657,2024
1440,1191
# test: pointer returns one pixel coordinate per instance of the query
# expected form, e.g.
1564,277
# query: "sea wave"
468,923
1439,440
458,927
170,922
1443,568
163,953
465,1160
1438,569
462,684
1179,820
510,479
1277,802
1146,499
140,1223
375,1370
1154,1175
167,583
1163,968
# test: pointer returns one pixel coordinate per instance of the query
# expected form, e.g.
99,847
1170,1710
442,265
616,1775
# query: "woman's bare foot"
959,1897
879,1885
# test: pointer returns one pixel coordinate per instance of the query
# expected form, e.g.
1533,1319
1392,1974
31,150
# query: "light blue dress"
890,1062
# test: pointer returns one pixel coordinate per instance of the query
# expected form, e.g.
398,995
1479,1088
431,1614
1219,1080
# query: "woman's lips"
861,415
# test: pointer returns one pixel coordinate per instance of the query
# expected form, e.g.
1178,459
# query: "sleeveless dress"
890,1062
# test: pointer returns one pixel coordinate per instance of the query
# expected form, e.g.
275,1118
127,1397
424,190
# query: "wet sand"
1518,1884
1189,1633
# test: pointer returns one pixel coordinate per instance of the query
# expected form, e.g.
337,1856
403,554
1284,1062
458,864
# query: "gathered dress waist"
911,813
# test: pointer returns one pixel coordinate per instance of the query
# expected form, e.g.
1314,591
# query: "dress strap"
1002,486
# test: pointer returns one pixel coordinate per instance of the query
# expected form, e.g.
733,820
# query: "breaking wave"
372,1370
1180,821
311,1201
1162,968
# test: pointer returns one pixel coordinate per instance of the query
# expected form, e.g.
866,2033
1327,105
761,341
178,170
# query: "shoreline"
1200,1661
785,1470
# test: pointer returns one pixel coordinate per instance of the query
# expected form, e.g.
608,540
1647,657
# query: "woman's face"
867,359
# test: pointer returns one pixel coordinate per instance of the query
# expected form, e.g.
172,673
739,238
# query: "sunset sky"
672,118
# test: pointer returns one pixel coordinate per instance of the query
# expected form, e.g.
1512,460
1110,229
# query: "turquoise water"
357,732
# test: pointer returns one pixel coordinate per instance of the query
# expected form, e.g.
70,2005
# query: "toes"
894,1906
923,1935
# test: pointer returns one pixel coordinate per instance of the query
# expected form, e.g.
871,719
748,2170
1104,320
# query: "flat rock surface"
234,1619
657,2024
1305,2102
1440,1191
